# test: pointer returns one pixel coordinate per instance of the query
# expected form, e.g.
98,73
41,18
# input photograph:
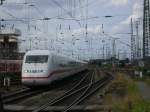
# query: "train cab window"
37,59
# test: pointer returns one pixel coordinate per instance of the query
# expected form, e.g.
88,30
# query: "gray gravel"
144,90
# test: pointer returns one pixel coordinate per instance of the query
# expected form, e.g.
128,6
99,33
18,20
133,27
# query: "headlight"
43,71
25,71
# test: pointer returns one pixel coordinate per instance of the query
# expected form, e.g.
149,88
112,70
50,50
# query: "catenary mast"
146,29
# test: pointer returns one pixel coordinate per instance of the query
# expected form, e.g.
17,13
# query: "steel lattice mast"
146,29
133,45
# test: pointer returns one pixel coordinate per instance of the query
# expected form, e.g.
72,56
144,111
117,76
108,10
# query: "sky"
77,28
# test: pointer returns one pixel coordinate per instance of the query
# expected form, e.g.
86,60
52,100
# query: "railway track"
64,96
24,93
19,91
79,93
20,95
91,90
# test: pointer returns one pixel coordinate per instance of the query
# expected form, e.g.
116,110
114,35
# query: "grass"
148,81
130,101
144,79
141,106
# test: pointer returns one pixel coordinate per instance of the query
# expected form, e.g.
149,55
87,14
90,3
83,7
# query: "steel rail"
65,95
100,82
22,95
97,87
84,92
15,93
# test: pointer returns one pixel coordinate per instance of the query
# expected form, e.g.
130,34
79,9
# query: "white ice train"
42,67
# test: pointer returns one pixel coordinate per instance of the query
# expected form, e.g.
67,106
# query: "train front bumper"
36,81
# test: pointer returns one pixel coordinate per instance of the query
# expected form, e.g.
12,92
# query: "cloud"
119,2
136,14
49,9
13,1
94,30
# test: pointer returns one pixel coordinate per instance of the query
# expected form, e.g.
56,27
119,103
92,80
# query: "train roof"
47,52
38,52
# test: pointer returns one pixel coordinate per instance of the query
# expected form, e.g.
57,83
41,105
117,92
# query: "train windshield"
36,59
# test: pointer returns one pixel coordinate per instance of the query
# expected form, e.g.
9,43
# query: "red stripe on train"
46,77
52,73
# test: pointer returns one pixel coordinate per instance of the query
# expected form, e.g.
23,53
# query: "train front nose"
35,81
30,82
35,68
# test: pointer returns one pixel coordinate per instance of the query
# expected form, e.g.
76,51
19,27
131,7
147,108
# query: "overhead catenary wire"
24,21
59,5
56,17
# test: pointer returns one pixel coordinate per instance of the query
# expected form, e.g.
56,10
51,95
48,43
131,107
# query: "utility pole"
137,40
119,51
108,53
103,54
30,44
133,46
114,51
146,29
114,47
103,51
1,3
